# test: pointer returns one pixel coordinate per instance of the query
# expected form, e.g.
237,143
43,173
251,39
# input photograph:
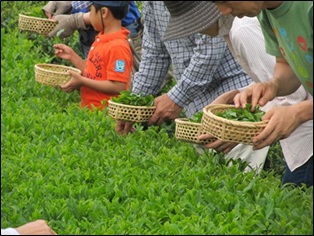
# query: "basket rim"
186,121
38,67
38,18
207,112
130,106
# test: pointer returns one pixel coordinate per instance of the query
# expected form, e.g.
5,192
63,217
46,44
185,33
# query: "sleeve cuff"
9,231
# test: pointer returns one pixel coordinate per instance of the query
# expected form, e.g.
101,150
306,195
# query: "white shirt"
246,42
9,231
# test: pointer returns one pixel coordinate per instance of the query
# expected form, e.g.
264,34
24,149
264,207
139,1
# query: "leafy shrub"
68,165
243,114
128,98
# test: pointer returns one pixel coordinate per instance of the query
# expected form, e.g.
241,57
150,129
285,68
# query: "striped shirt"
203,66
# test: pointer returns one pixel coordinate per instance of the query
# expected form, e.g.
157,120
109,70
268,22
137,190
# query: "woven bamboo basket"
189,131
53,75
229,130
130,113
36,24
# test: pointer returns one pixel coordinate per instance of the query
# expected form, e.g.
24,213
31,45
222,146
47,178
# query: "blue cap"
112,3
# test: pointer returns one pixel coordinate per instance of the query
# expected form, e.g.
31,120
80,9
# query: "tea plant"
68,166
243,114
197,117
128,98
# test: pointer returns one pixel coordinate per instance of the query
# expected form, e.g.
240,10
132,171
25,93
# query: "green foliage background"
68,166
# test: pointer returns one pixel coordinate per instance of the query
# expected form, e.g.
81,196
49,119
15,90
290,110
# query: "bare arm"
283,120
284,82
104,86
284,78
38,227
65,52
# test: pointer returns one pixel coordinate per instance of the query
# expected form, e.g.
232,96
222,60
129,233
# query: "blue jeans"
303,174
134,28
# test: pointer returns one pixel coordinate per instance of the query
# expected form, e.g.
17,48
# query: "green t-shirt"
288,32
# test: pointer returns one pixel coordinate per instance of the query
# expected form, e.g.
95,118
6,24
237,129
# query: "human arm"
279,126
104,86
283,83
225,147
166,110
65,52
155,60
124,127
107,70
154,65
67,24
38,227
200,74
196,78
247,41
53,8
194,64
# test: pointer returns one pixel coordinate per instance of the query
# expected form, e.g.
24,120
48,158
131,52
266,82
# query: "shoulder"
245,25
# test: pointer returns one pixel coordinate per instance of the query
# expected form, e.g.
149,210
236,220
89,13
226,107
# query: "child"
107,70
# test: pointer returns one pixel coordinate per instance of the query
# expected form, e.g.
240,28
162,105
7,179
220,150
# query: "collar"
122,34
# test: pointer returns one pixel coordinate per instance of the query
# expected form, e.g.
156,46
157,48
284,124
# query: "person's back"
203,66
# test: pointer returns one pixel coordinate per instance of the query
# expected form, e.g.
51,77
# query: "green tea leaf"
243,114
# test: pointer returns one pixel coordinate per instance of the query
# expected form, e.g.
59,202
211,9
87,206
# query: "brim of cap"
196,19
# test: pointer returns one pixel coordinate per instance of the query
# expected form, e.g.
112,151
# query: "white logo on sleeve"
120,65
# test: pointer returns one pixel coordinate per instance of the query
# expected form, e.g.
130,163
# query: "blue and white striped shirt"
203,66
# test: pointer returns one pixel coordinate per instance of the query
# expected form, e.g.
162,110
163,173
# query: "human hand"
278,127
256,94
123,127
217,145
166,110
68,23
75,82
63,51
38,227
53,8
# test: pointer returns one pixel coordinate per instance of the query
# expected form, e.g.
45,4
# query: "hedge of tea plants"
68,166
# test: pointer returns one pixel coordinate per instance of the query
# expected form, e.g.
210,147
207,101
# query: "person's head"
102,11
187,18
241,8
209,17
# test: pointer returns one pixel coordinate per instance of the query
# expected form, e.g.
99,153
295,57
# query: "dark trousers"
303,174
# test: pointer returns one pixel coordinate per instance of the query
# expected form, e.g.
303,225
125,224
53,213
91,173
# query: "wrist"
304,110
274,86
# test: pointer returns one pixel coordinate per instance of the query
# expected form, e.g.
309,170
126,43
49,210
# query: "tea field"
68,165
